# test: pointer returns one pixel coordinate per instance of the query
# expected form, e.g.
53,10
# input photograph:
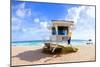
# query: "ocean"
41,42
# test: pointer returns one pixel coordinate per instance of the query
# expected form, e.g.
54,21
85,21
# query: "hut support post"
56,27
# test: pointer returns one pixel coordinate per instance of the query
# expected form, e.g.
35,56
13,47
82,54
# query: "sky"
31,19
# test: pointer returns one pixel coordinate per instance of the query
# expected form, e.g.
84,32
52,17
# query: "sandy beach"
30,55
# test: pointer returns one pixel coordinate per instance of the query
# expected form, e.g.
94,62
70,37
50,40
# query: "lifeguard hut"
59,32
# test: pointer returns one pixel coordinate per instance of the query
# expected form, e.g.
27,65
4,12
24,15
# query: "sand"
30,55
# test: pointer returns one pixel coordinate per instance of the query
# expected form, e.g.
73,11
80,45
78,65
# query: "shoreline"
64,44
30,55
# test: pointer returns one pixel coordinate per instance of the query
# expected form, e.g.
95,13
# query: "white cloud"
16,24
44,24
29,13
22,11
91,11
84,18
36,20
24,30
73,13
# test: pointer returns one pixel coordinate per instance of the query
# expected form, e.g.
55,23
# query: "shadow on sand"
32,55
35,55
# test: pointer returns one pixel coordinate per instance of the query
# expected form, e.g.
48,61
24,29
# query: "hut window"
62,30
53,31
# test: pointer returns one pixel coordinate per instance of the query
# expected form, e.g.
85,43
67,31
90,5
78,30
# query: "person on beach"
69,37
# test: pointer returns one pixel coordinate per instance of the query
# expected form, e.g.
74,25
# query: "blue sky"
30,20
